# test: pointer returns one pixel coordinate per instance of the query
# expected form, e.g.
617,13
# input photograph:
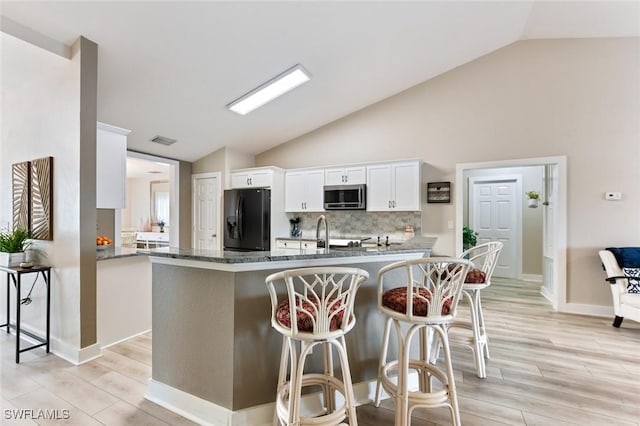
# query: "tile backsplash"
358,223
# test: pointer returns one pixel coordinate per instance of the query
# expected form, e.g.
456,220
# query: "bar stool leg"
483,331
451,385
478,351
341,347
383,359
327,390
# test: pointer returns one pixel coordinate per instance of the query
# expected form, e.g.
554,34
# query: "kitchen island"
215,355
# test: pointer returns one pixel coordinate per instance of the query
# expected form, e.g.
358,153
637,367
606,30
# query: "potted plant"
12,247
469,238
533,198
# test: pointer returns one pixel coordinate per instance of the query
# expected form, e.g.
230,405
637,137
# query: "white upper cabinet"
304,190
111,166
252,178
394,186
354,175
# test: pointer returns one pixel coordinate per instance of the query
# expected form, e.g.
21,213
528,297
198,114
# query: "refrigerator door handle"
239,207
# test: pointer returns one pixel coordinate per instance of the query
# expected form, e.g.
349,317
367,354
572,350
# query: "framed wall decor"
439,192
21,186
42,198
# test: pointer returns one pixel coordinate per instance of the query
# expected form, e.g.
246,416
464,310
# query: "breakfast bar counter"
215,355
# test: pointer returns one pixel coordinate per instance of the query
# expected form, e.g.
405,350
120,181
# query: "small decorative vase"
532,203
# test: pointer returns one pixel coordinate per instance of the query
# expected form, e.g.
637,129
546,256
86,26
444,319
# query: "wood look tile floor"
546,368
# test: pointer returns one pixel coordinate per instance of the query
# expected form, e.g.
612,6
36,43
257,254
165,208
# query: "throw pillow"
627,257
633,275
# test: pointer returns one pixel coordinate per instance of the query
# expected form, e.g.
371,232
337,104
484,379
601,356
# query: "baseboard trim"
531,278
209,414
544,292
125,339
73,355
593,310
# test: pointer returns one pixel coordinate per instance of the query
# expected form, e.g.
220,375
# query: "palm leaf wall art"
42,198
20,180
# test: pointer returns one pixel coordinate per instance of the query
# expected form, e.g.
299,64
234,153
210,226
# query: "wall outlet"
613,196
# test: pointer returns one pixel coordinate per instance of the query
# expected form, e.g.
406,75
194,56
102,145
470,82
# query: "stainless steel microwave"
345,197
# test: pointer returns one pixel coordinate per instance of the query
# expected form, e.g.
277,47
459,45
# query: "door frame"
194,177
518,207
559,233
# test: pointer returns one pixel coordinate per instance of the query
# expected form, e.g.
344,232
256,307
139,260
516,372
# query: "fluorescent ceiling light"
277,86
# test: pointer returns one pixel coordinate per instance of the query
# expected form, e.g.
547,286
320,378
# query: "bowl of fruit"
103,242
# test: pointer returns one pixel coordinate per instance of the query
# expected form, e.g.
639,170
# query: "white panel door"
206,201
493,215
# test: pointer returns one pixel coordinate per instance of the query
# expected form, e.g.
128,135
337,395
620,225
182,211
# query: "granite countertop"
119,252
415,245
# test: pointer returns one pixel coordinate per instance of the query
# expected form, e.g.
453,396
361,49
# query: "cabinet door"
240,180
334,176
406,178
355,175
314,191
261,179
295,191
111,169
379,188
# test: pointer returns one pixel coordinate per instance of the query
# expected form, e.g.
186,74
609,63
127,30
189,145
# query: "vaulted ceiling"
169,68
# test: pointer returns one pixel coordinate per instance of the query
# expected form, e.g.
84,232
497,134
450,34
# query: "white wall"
137,215
535,98
40,117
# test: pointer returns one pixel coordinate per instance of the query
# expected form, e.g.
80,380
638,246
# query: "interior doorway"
152,202
207,203
555,218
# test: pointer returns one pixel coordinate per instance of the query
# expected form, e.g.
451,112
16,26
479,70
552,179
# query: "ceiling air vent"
163,140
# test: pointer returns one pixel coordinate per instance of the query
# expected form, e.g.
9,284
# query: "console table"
15,274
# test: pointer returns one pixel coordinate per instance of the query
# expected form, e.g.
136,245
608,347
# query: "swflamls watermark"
31,414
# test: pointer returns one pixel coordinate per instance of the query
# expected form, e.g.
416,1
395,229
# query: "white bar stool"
485,258
424,294
314,307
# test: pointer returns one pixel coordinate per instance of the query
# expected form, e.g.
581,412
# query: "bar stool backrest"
314,303
429,287
484,257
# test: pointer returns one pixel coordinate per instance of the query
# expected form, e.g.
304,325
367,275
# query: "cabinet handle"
389,203
214,235
394,204
285,244
247,181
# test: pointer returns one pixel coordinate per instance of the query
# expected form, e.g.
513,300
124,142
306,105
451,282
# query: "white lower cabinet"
304,190
394,186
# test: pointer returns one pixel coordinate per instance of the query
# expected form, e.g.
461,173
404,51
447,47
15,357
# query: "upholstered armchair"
622,266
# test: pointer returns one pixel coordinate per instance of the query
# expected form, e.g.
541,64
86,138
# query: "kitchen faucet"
324,243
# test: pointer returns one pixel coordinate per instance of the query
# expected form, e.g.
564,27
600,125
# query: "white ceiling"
169,68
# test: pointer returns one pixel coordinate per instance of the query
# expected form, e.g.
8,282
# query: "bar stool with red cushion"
423,294
314,307
485,258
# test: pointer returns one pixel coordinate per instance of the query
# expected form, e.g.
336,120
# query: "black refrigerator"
247,219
